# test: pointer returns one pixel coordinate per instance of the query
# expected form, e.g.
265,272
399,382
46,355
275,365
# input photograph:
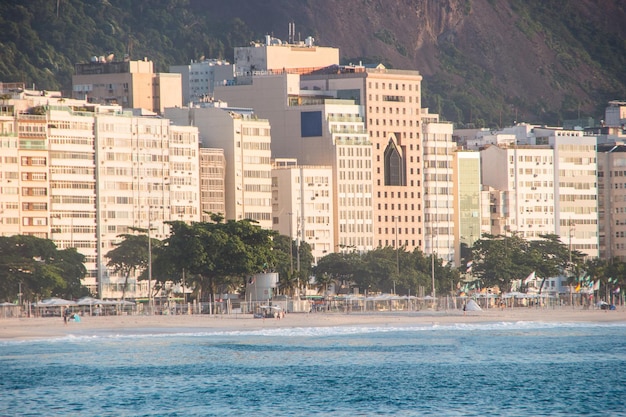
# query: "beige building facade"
246,141
130,84
391,102
212,183
612,201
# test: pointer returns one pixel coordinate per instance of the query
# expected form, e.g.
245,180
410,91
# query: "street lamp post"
19,294
290,243
150,309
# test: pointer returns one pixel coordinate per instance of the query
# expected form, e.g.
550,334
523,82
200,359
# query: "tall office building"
246,142
391,103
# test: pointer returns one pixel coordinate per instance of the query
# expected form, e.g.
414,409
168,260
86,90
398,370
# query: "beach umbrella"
54,302
89,301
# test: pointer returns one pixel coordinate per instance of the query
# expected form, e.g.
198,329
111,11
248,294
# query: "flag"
616,290
530,277
577,288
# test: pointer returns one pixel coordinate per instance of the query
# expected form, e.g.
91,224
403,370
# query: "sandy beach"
52,327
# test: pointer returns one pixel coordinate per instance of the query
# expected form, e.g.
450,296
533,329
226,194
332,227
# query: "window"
394,166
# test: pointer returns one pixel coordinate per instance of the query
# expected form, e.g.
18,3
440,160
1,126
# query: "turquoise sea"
492,369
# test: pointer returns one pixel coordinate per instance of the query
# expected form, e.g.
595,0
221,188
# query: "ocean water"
491,369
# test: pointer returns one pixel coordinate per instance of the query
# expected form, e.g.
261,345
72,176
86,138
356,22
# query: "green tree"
131,255
337,268
218,255
39,269
71,263
548,257
499,259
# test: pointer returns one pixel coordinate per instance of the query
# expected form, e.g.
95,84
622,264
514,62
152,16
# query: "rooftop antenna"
292,32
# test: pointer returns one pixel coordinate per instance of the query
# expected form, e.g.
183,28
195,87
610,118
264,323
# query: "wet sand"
53,327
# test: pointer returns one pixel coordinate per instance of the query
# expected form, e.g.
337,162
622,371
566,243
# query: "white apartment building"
81,174
523,180
275,56
439,191
246,141
333,134
147,173
303,205
200,77
575,168
548,187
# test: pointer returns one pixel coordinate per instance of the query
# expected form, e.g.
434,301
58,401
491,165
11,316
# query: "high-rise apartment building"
303,205
545,188
439,190
522,178
318,129
212,180
246,141
82,174
130,84
575,184
147,174
612,200
467,200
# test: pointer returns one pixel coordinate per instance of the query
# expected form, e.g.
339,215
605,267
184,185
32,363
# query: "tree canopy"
41,270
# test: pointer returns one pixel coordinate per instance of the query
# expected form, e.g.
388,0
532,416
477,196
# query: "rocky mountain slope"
485,62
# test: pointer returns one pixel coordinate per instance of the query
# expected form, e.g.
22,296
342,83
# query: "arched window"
394,165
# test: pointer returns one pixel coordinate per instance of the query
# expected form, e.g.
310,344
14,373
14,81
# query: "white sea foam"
315,332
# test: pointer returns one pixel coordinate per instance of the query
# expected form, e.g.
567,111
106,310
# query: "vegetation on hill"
485,62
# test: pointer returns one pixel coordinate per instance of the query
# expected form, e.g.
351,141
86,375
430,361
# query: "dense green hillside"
485,62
